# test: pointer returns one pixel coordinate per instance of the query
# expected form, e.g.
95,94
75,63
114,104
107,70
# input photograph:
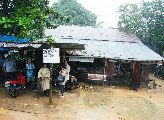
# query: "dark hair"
43,64
63,66
66,60
9,58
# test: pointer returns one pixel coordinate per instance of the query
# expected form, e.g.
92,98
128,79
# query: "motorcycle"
15,86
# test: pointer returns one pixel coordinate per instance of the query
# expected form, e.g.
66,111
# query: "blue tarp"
4,49
13,39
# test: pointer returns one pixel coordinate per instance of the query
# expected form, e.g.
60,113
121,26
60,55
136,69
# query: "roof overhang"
66,46
118,51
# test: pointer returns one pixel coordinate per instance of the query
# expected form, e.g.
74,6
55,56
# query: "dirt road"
110,103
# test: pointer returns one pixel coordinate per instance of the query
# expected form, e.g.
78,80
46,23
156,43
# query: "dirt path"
109,103
12,115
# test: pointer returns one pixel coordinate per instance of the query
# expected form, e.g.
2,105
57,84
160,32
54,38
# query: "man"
67,70
1,70
44,76
9,67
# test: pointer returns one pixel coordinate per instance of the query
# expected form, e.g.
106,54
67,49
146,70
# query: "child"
62,80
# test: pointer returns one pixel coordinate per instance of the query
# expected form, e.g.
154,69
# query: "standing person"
62,80
135,82
9,67
30,73
2,75
67,70
44,76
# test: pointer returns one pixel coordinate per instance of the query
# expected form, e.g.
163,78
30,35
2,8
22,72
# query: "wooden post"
50,91
63,55
104,74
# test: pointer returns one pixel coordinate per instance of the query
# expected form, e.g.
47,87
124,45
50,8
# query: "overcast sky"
105,10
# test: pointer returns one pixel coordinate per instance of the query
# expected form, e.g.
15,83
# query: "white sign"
51,55
81,59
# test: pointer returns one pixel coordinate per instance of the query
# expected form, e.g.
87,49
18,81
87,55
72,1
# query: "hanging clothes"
110,69
136,72
30,70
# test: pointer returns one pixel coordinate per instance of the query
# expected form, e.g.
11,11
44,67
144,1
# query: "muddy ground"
109,103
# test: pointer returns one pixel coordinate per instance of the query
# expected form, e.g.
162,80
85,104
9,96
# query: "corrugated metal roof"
90,33
106,43
119,50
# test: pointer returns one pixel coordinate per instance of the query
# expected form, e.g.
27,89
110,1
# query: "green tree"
80,16
153,14
130,20
25,18
146,21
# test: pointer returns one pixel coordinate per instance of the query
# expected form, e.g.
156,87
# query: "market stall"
116,50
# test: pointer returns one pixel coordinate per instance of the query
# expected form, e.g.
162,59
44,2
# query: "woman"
62,80
44,76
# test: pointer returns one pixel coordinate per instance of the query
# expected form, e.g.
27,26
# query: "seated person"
72,83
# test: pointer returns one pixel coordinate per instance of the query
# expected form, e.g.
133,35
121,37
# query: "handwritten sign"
51,55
